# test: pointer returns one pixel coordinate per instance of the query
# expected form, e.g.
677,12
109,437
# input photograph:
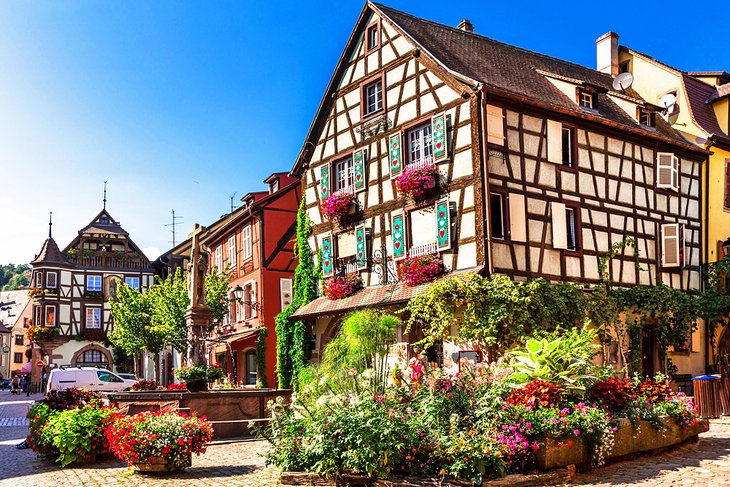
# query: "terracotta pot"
197,385
162,464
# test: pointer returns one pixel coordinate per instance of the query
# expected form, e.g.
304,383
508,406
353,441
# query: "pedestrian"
14,385
26,385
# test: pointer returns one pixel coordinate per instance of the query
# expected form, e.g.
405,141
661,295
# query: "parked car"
91,378
125,375
5,384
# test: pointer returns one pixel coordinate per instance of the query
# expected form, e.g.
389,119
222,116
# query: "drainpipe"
708,339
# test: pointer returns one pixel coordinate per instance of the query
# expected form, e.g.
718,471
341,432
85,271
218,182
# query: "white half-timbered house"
71,291
543,165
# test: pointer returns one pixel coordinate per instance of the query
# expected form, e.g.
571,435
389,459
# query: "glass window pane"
496,207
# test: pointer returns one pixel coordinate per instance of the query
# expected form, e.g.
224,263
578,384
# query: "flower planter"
162,464
198,385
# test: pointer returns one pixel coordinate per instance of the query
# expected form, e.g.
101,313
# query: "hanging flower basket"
337,206
338,287
417,182
422,269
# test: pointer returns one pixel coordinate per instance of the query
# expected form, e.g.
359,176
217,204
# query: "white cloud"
151,252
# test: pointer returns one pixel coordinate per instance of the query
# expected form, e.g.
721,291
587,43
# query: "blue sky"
179,104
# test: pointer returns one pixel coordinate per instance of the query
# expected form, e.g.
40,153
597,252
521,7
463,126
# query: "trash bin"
707,395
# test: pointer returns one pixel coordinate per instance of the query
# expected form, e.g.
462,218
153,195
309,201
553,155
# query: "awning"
220,343
371,296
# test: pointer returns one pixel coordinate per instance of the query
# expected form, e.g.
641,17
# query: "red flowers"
337,205
536,393
416,182
338,287
418,270
614,394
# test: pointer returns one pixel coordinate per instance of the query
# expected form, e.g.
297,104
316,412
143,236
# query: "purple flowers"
418,270
338,287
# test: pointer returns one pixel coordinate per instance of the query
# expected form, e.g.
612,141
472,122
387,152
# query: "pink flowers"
416,182
337,205
338,287
419,270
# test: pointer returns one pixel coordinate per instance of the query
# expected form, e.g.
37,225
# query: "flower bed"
158,441
338,287
422,269
337,206
417,182
37,333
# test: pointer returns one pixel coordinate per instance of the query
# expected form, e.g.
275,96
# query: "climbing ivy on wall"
261,357
291,335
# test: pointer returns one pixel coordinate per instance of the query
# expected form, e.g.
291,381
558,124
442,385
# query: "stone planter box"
160,465
627,441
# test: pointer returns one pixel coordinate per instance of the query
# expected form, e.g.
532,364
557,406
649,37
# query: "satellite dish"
668,101
623,81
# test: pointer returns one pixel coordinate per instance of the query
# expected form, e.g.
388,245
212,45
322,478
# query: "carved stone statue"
197,316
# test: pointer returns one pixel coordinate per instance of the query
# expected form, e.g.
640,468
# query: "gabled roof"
104,224
481,63
50,254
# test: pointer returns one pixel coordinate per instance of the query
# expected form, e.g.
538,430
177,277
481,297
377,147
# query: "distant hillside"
14,276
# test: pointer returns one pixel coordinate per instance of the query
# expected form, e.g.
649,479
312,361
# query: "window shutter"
254,299
495,125
328,264
394,154
667,171
359,169
285,288
671,248
727,183
560,237
438,137
555,142
324,181
517,220
443,224
398,234
361,247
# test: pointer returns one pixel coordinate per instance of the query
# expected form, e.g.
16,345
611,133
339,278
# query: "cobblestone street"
705,463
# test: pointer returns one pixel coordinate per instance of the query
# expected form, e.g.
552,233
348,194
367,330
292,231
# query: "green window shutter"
443,224
398,234
361,247
439,139
328,265
359,168
324,182
394,154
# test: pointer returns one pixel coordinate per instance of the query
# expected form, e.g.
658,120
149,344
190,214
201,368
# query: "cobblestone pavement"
239,463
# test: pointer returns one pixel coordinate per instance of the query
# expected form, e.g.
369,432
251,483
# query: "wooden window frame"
19,340
575,207
101,283
130,278
640,112
405,145
409,228
504,126
46,308
38,280
581,94
378,32
18,357
86,317
55,280
573,130
671,190
363,97
246,243
246,354
232,251
505,215
218,263
335,174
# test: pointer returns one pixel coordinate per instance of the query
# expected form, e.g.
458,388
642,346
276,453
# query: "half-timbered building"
71,289
255,244
542,165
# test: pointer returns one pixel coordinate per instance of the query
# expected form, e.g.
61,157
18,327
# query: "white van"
91,378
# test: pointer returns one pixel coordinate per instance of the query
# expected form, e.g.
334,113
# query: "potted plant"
37,333
338,287
158,441
197,377
422,269
338,205
417,182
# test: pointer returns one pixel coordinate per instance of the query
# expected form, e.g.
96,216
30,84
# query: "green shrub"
77,434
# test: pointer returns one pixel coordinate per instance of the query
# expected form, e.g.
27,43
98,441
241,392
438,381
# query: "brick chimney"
465,25
607,53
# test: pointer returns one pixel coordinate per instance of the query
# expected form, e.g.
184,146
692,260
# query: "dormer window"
104,221
646,117
274,186
585,99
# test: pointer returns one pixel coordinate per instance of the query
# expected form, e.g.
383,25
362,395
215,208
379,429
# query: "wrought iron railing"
424,249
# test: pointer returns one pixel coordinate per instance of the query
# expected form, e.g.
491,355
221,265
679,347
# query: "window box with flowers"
338,287
337,206
38,333
421,269
158,441
92,335
417,182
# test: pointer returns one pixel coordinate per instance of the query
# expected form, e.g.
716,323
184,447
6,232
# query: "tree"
156,318
14,277
291,335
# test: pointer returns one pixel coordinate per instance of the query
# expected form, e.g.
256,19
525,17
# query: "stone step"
235,427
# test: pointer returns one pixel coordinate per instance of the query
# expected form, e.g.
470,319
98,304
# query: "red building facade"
256,245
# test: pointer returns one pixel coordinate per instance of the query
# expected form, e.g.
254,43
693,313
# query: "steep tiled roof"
511,69
368,297
721,92
50,254
702,113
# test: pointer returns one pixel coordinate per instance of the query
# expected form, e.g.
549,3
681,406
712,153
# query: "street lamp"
238,293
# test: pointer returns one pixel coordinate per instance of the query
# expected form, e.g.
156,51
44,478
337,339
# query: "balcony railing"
425,249
346,265
109,260
426,161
